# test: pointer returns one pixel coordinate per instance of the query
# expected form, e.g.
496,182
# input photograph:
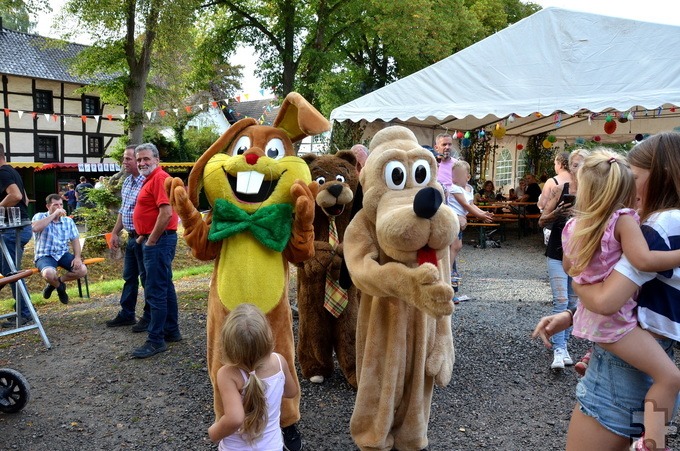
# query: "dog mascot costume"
397,252
262,202
327,310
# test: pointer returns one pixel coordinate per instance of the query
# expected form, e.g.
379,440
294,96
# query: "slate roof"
30,55
236,111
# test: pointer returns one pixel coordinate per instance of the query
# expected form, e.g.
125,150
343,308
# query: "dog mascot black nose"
427,202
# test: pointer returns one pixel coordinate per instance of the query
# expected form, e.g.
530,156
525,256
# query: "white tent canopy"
556,71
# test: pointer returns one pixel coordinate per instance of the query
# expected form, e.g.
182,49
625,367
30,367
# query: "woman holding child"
612,391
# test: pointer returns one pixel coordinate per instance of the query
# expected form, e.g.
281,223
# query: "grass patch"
108,287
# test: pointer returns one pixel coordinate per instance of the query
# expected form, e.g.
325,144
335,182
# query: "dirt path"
88,394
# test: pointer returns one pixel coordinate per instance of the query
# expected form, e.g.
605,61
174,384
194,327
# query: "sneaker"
456,300
11,322
173,338
61,292
291,438
568,361
149,349
47,291
141,326
121,321
558,360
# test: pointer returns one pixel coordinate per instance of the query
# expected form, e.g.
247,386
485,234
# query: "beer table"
17,276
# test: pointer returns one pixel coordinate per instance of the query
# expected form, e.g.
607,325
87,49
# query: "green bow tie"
271,225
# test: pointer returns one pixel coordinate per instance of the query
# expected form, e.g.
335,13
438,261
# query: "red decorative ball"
520,146
609,127
597,138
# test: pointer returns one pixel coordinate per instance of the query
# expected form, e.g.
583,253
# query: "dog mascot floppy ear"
327,310
397,252
262,202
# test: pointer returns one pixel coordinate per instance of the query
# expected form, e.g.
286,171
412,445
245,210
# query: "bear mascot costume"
328,311
262,215
397,252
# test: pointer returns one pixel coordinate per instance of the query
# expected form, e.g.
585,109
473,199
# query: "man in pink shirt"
443,145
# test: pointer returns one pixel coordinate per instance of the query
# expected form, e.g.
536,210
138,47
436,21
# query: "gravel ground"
86,393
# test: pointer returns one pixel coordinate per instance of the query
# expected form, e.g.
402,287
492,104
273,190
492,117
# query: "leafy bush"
197,141
100,219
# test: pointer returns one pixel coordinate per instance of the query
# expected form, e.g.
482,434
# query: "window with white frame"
521,166
503,170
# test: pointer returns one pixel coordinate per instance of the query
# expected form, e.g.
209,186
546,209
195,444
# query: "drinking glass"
16,216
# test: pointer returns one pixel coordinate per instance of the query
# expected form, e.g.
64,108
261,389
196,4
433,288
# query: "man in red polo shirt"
156,226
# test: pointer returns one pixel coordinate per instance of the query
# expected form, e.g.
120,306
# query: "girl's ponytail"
255,407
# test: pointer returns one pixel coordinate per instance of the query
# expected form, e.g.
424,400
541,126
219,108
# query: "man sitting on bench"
53,231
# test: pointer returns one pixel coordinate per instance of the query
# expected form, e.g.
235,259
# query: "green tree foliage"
396,39
145,55
333,51
16,14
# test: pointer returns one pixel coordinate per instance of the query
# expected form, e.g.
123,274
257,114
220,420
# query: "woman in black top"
557,211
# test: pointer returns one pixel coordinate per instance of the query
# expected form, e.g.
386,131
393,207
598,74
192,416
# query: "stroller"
14,388
14,391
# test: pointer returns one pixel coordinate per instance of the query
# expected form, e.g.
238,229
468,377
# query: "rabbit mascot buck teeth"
397,252
262,200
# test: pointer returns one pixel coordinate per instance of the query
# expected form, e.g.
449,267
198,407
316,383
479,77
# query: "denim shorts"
613,392
49,262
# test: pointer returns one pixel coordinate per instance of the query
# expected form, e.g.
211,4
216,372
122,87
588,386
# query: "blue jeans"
10,240
159,291
133,271
563,298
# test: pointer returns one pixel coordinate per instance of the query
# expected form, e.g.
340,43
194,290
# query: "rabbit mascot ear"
262,199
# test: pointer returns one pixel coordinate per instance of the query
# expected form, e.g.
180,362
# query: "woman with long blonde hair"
251,383
606,227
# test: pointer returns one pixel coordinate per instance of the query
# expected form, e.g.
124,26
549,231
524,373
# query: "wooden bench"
86,262
482,227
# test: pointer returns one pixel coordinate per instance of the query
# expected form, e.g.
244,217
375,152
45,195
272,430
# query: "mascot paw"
316,379
303,199
434,295
440,366
177,194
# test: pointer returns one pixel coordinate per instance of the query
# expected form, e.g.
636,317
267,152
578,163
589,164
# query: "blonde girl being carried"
605,226
251,383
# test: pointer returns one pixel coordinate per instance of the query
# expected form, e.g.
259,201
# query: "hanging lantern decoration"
547,144
580,141
597,138
459,135
639,137
499,131
552,138
609,127
481,133
672,110
467,135
466,142
520,146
